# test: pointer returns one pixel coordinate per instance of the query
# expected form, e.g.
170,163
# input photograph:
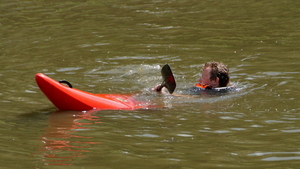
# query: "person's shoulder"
212,91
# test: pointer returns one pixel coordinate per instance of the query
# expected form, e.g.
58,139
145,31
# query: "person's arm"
164,91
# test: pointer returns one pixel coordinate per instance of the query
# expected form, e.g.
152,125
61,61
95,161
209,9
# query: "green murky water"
119,47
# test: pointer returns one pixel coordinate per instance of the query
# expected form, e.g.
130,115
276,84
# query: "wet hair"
218,69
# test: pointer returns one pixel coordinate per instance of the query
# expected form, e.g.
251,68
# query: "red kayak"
67,98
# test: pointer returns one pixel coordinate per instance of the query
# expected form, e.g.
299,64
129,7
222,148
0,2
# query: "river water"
119,47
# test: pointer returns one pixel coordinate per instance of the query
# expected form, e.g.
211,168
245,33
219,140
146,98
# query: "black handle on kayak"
66,82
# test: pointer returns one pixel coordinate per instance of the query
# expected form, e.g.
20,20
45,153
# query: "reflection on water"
277,158
62,141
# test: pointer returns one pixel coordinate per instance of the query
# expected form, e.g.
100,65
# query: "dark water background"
119,47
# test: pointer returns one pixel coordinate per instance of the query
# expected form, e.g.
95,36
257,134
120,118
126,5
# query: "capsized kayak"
66,98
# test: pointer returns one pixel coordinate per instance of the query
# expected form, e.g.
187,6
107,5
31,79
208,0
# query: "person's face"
205,78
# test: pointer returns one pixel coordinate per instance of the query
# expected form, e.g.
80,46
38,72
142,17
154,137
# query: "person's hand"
156,87
163,90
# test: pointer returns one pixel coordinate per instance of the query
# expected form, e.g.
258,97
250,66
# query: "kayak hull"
66,98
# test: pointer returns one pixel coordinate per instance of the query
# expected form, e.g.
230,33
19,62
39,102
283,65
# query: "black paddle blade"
168,79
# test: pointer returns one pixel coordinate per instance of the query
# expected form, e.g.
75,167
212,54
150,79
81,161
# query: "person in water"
214,75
